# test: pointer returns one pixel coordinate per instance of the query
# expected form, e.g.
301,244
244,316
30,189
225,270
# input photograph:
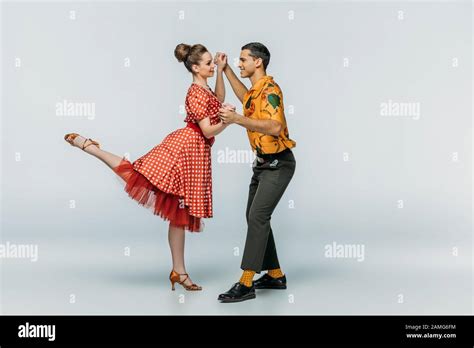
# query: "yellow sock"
247,278
275,273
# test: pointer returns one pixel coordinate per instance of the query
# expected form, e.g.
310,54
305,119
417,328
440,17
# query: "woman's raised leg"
108,158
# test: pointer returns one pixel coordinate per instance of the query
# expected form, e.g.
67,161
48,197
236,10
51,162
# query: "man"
273,168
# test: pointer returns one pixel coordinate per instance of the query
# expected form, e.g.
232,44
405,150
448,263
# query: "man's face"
248,64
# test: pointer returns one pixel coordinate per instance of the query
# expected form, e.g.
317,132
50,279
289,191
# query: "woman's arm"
220,87
211,131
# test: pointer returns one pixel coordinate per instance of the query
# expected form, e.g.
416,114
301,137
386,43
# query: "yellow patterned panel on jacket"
264,101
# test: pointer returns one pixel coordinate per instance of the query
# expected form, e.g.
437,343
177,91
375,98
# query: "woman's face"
206,66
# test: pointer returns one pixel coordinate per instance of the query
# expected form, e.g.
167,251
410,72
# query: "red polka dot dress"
174,178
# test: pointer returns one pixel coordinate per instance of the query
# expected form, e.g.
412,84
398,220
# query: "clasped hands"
227,112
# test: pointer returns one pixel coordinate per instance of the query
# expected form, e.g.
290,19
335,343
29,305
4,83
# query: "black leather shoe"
238,293
268,282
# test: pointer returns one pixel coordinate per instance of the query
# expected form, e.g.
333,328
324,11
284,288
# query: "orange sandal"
71,136
175,278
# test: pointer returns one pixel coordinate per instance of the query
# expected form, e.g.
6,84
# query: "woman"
174,178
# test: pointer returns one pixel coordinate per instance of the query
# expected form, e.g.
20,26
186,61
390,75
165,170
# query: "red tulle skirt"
168,206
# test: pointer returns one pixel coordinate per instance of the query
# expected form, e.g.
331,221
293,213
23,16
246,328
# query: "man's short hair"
258,50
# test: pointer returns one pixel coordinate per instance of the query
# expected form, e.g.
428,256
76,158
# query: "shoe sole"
230,300
283,287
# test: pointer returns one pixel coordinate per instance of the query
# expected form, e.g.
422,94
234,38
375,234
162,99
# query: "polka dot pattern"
181,163
201,103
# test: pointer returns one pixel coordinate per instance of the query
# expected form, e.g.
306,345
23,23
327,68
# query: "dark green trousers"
269,181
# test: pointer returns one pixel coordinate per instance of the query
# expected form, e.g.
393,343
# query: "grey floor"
95,273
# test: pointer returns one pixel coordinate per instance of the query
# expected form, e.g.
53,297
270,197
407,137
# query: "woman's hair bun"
189,55
182,51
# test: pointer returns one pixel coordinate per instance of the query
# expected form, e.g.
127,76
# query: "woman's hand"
228,106
228,116
220,60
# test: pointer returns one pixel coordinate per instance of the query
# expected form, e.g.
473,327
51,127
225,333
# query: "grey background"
336,110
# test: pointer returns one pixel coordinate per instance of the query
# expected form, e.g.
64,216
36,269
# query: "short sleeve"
271,106
198,103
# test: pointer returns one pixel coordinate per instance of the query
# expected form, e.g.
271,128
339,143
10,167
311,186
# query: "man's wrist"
238,118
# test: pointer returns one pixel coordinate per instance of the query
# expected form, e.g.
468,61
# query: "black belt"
273,156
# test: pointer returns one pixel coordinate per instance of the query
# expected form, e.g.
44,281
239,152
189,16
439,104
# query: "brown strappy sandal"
175,278
70,139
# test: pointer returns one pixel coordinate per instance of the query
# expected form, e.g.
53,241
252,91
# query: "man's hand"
228,116
220,60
